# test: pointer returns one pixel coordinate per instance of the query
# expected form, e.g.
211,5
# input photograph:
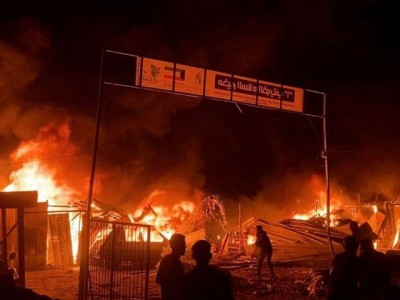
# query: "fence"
119,260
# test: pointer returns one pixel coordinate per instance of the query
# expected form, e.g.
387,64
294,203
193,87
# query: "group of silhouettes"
360,272
204,281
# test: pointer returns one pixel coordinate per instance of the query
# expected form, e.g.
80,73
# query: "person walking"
263,249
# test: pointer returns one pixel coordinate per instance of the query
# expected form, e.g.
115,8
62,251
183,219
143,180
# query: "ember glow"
320,209
251,240
165,220
34,176
396,238
317,210
39,176
46,176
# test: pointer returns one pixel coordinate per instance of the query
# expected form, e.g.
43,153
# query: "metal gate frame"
85,253
119,260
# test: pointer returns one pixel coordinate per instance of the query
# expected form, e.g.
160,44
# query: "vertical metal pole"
240,228
4,233
83,284
327,179
146,296
21,246
112,260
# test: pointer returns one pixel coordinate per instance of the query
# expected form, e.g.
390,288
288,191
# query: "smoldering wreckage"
117,245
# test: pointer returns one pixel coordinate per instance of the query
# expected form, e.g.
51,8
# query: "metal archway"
227,87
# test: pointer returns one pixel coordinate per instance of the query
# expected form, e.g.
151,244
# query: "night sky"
49,73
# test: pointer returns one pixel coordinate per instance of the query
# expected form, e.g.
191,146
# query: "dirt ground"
290,282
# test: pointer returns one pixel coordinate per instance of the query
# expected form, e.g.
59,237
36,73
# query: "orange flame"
46,177
396,238
36,175
251,240
320,209
165,220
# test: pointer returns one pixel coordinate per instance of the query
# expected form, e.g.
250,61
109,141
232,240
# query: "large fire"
41,170
165,220
318,210
36,176
46,176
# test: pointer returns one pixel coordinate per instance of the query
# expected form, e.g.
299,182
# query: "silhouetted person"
171,271
345,272
355,230
376,272
263,249
206,282
366,232
9,290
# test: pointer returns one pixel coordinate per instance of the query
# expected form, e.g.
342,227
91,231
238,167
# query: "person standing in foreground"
263,250
206,282
171,271
345,272
375,272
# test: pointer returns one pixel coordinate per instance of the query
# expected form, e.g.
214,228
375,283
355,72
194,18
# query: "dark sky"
49,72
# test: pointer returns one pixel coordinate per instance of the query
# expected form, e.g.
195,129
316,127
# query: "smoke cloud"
190,148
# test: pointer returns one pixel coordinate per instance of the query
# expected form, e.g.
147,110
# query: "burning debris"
299,240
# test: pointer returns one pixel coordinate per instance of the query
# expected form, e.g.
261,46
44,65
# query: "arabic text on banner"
280,96
186,79
218,85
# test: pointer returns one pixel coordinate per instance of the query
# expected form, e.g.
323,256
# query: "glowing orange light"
34,176
251,240
45,177
165,220
319,209
39,176
396,238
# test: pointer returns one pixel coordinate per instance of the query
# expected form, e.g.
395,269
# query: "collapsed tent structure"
306,241
292,240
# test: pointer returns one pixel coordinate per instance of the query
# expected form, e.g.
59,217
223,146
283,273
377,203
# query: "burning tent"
207,220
